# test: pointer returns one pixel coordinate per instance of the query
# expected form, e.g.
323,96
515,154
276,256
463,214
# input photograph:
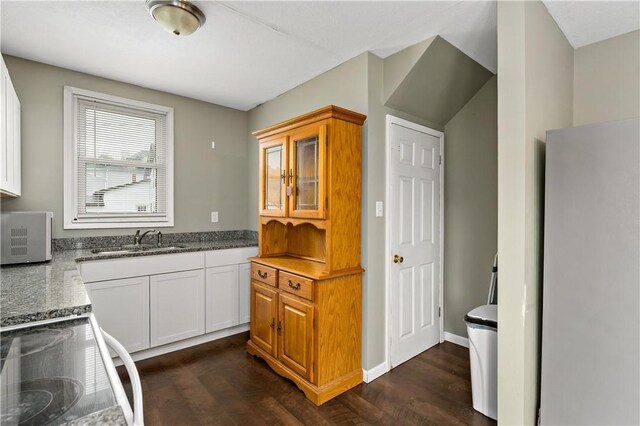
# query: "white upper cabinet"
10,179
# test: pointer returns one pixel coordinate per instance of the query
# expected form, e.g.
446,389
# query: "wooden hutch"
306,282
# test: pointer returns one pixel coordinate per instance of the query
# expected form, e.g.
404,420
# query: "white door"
221,297
414,239
122,309
177,306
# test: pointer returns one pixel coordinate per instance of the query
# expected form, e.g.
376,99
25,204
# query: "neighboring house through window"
118,162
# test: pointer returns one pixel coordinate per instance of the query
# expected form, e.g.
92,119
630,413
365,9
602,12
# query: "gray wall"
606,82
344,85
373,227
535,80
205,180
470,205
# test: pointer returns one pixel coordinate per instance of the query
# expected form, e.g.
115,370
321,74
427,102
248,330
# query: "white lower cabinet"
122,309
227,296
244,293
144,303
177,306
221,297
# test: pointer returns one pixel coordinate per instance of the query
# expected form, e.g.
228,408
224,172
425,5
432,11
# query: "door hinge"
441,159
326,202
314,323
439,311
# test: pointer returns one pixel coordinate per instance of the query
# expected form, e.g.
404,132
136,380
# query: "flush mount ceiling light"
176,16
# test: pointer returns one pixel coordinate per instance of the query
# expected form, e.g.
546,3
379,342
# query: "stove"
54,373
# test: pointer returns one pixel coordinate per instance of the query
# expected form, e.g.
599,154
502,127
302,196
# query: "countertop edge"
45,315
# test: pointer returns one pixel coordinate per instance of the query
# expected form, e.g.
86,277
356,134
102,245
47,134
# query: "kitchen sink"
134,248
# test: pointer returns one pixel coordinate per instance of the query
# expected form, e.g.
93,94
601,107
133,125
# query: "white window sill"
109,225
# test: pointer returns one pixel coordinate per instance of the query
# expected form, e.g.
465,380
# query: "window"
118,162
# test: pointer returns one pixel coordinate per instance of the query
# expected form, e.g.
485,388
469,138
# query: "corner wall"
374,231
535,81
205,180
606,81
470,205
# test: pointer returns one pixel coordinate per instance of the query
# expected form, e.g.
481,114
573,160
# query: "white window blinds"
121,161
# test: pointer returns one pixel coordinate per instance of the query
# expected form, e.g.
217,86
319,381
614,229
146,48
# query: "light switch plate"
379,209
213,145
214,217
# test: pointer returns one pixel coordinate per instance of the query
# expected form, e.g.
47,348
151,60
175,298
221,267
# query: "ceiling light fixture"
176,16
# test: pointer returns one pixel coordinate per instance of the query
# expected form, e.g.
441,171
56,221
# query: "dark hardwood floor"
217,383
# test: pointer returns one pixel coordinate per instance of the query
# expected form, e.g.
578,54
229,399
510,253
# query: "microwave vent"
18,242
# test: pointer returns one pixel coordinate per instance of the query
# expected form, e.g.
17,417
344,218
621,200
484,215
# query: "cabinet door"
10,179
264,312
4,136
295,348
307,159
16,184
221,310
122,309
177,306
244,290
273,178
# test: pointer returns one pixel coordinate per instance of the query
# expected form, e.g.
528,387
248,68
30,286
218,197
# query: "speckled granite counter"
85,255
35,292
112,416
55,289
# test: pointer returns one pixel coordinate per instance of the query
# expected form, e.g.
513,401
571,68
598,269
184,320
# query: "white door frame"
387,241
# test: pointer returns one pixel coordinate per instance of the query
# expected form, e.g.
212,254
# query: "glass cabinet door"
273,178
307,159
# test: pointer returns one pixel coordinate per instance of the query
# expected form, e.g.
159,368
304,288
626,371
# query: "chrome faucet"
138,238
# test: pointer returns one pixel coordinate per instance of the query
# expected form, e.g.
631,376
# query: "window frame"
71,220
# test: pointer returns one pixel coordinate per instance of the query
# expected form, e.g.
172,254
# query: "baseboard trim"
454,338
183,344
369,376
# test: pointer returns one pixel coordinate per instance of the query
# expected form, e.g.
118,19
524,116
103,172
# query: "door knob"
398,258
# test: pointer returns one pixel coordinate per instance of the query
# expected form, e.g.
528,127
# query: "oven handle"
138,417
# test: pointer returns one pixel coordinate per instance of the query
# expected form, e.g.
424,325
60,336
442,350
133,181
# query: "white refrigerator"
590,365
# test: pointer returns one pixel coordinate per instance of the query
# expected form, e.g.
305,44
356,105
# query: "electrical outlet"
214,217
379,209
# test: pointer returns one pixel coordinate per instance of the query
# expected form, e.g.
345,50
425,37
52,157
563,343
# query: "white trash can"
482,327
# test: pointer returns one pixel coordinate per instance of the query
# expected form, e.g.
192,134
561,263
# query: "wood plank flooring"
217,383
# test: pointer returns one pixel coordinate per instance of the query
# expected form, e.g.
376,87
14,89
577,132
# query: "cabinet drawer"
295,284
264,274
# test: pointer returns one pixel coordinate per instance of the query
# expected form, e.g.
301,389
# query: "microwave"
25,237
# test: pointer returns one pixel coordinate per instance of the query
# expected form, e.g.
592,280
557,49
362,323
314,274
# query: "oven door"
59,371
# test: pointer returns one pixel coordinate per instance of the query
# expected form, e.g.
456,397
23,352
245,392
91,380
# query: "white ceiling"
587,22
250,52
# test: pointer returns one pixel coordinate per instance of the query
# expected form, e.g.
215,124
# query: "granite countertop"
86,255
112,416
39,291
